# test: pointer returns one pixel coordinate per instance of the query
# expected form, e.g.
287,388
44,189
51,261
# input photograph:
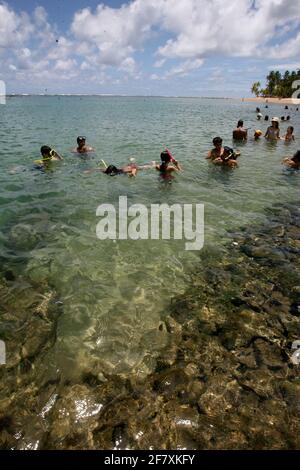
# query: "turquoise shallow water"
114,293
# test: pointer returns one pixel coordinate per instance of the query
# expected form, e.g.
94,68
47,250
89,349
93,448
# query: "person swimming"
273,131
168,164
240,133
293,162
49,155
289,136
82,147
130,170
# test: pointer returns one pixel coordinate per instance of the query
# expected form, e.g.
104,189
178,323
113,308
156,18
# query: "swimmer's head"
46,151
81,141
165,157
257,133
290,129
296,157
266,118
112,170
240,123
217,141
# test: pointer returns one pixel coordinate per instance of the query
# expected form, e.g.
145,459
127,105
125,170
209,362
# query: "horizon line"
125,95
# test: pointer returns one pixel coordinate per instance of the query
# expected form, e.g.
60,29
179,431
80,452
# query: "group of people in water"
167,166
219,155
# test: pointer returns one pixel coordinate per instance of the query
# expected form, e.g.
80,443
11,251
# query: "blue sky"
146,47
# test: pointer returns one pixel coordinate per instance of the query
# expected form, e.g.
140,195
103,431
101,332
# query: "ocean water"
114,294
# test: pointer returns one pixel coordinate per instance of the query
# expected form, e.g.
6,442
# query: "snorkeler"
240,133
130,170
82,147
48,155
168,164
293,162
228,158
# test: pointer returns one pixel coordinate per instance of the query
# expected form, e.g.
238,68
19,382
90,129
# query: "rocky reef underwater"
227,378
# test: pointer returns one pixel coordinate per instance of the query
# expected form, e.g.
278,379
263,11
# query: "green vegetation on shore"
278,85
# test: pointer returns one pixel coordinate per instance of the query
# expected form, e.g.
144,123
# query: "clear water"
114,294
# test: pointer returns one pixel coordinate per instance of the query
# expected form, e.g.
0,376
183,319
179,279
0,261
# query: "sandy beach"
289,101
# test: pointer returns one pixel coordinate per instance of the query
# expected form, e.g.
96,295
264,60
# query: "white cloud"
291,66
117,32
186,32
159,63
184,68
65,65
14,29
204,27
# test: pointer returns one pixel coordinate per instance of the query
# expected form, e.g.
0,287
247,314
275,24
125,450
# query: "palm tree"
256,89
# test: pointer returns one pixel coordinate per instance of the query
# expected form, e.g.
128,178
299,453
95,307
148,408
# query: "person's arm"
267,133
278,134
209,155
56,155
133,172
172,168
177,165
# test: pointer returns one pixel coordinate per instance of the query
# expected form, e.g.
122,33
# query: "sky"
146,47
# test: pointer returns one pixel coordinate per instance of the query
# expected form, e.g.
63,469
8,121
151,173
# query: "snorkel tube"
173,160
52,154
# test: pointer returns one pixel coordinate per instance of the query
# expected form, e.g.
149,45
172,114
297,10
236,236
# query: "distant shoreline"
274,100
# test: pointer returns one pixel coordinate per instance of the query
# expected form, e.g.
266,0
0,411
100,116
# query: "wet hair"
80,139
45,150
296,157
288,118
266,118
112,170
291,127
165,159
240,123
282,118
286,107
258,110
217,140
